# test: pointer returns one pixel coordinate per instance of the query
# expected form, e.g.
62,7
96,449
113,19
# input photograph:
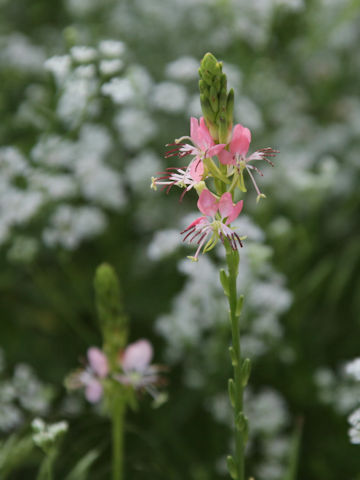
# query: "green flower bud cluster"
216,103
112,319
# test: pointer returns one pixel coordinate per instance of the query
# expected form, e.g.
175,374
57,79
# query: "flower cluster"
219,157
218,209
134,370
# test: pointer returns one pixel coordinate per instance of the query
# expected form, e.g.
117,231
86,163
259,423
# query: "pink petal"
235,212
137,356
207,203
195,131
226,158
215,150
93,391
241,140
98,362
226,205
197,170
206,139
196,222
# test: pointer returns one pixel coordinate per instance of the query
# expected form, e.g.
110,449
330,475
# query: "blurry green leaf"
81,469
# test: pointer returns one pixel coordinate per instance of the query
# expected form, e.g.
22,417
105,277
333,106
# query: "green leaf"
232,391
234,360
291,472
239,305
82,467
245,371
224,279
231,467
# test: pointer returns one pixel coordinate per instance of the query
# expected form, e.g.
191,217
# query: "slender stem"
232,258
118,413
50,469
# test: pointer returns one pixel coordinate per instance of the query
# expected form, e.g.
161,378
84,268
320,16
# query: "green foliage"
15,451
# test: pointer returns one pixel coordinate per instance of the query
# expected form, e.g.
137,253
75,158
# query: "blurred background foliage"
90,94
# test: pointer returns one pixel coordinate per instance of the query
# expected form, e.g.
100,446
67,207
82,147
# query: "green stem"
232,259
118,413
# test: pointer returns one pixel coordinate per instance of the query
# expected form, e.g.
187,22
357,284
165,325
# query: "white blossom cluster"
21,395
342,391
46,436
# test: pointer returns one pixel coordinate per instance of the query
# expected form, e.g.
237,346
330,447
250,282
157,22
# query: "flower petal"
226,158
226,205
240,140
215,150
93,391
137,356
207,203
98,362
195,131
235,212
197,170
205,138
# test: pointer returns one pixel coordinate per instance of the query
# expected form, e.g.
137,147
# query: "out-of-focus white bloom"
120,90
110,67
85,71
112,48
12,163
46,435
136,127
74,99
141,79
194,107
270,297
267,412
18,52
245,108
10,417
270,470
69,226
94,140
56,187
354,431
164,243
33,395
83,54
59,66
169,97
139,169
99,182
53,151
353,369
183,69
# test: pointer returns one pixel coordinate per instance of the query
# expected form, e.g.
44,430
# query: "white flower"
112,48
83,54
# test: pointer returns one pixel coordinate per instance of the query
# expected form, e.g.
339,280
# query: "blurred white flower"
83,54
112,48
169,97
69,226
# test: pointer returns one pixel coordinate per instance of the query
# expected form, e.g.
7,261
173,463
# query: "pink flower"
135,364
215,224
238,149
203,146
91,377
187,178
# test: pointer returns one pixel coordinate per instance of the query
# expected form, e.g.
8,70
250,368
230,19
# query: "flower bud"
113,322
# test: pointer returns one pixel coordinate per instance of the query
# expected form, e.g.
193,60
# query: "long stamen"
253,181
